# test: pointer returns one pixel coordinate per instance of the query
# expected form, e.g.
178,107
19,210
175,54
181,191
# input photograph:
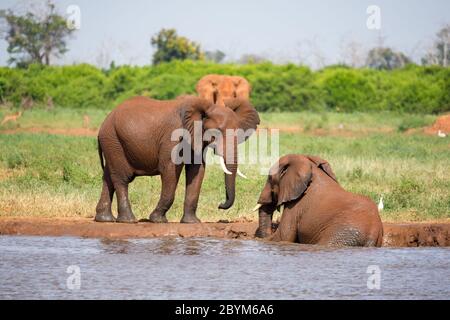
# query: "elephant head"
219,127
288,180
218,88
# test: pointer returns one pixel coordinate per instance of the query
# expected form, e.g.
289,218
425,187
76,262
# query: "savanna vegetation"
55,175
365,121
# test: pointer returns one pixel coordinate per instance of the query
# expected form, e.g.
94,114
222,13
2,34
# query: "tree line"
276,88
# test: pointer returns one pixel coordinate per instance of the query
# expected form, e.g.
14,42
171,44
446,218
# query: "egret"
380,204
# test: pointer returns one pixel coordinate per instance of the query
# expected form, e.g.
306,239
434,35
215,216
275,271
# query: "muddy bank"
395,235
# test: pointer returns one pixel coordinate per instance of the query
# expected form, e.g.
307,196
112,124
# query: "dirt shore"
395,235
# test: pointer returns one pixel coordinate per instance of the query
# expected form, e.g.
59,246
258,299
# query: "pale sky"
316,32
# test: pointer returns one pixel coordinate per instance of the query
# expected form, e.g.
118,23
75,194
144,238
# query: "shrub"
288,87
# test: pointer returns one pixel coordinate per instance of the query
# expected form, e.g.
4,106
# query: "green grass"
353,122
56,118
59,118
52,175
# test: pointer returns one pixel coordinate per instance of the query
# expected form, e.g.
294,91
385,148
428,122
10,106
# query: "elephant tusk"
259,205
224,168
281,209
241,174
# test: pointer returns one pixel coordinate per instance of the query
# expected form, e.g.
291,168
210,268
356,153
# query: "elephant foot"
190,219
264,231
157,217
104,217
126,218
261,233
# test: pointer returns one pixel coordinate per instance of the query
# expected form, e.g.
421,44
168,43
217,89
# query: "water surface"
183,268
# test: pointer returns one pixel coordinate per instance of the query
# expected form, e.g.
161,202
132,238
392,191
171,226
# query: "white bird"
380,204
441,134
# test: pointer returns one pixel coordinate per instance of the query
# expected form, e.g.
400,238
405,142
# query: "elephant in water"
217,88
136,139
317,210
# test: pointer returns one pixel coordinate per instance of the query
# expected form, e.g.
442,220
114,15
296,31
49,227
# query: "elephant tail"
100,154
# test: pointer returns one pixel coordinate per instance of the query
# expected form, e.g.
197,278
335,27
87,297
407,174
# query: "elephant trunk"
265,221
230,180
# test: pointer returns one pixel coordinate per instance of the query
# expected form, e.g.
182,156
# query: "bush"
288,87
347,90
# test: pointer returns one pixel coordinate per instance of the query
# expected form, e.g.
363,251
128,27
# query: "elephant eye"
283,171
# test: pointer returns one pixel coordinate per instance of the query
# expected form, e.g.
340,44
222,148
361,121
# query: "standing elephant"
317,210
136,140
217,88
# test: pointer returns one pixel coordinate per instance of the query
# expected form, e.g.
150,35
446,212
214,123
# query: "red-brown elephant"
217,88
317,210
136,140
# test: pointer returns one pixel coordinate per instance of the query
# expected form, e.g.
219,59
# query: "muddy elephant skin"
317,210
136,140
218,88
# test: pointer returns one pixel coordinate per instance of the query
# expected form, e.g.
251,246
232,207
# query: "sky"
316,33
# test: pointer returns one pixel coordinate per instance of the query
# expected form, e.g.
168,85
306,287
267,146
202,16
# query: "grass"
349,122
59,118
53,175
56,118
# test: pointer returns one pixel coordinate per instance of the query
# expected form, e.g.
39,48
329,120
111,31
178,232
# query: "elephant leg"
288,228
194,179
103,210
125,215
169,182
343,236
265,221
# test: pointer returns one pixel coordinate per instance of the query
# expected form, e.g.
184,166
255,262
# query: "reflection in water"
191,268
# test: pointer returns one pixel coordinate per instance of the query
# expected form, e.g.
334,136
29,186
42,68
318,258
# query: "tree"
251,59
169,46
352,53
215,56
382,58
439,53
35,38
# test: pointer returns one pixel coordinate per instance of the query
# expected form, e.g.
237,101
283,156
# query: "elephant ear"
323,165
243,88
293,178
207,87
193,109
247,115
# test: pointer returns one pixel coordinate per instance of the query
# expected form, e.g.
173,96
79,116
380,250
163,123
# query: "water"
181,268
